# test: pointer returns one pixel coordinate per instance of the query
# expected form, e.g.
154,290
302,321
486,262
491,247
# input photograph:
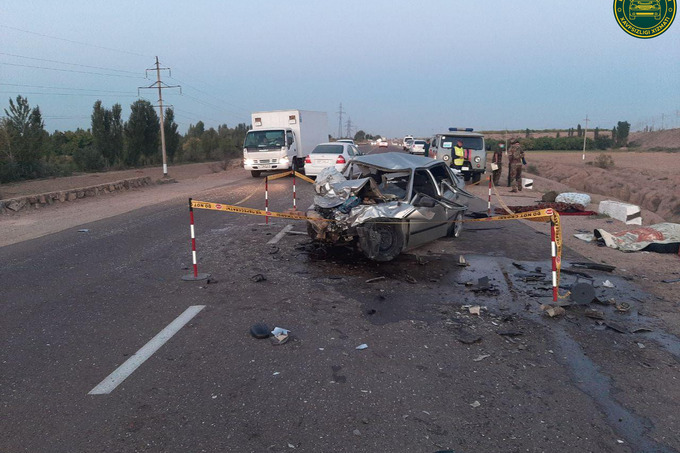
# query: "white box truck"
281,139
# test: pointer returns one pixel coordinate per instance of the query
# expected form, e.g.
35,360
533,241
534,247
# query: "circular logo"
218,206
549,211
644,18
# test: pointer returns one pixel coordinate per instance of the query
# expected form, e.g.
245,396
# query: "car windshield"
449,141
328,149
262,140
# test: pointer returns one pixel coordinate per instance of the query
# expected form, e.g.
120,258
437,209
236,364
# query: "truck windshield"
264,139
449,141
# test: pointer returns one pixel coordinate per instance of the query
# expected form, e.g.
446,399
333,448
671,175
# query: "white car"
382,144
330,154
346,140
417,147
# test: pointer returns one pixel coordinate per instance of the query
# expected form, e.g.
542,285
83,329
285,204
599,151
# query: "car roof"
462,134
395,161
345,140
343,144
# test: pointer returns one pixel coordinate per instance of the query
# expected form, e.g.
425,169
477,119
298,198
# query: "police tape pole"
196,275
294,194
553,249
266,199
488,209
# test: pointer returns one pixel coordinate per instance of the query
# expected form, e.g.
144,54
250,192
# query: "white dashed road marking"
126,369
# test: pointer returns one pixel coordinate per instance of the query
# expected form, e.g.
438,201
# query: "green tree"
527,133
197,130
622,131
141,133
360,136
101,132
579,131
24,134
116,133
172,137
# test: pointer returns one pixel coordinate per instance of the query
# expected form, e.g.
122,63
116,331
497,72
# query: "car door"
429,220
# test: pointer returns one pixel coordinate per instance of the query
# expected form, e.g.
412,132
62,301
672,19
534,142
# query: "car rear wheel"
255,173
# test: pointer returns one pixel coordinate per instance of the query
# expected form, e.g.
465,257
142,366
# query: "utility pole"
340,112
662,118
349,127
160,85
584,138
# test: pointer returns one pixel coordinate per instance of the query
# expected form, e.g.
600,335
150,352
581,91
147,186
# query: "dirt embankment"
649,179
668,139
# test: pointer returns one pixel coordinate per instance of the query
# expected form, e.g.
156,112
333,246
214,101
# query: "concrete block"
627,213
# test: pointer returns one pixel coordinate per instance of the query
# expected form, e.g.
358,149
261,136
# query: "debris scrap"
481,357
376,279
258,278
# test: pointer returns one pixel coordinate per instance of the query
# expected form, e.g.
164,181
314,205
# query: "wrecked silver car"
393,202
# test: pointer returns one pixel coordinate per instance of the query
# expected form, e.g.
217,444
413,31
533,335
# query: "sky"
397,67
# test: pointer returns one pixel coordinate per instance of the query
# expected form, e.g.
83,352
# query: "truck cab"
281,139
474,151
269,149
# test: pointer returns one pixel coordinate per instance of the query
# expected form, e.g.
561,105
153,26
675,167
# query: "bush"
604,161
533,169
89,159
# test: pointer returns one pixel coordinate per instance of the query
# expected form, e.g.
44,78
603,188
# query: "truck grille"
266,161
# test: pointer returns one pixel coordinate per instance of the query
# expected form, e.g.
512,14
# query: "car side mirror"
424,202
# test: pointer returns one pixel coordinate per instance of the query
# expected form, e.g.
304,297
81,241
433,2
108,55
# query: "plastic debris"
362,346
475,404
462,262
280,335
481,357
607,284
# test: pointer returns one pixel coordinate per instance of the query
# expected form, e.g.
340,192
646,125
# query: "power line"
73,41
70,94
66,63
62,88
70,70
210,94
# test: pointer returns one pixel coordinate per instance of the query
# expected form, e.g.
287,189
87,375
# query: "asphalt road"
77,305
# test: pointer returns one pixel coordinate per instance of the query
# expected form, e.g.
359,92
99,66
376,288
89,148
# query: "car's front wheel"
381,241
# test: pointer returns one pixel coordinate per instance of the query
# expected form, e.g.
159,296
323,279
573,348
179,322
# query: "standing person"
427,148
497,159
516,158
458,154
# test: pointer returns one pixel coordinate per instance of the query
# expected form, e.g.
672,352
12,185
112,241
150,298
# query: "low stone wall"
45,199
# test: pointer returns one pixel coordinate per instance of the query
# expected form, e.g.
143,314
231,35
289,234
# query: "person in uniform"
427,148
458,155
498,160
516,160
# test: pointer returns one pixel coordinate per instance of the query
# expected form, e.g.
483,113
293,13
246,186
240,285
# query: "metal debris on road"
481,357
552,310
607,284
623,307
616,326
84,230
475,404
258,278
410,279
510,333
462,262
594,314
376,279
582,293
594,266
362,346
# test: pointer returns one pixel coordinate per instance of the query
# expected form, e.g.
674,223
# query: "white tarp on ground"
662,237
627,213
575,198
